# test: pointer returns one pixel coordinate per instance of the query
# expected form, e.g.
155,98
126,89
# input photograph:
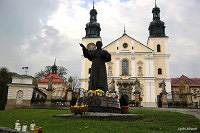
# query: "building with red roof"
184,86
58,85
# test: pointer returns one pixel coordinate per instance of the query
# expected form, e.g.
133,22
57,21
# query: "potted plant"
124,105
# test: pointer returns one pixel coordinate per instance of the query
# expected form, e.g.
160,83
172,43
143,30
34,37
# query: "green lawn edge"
152,121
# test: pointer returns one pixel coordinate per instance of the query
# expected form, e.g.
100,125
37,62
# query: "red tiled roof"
190,81
56,79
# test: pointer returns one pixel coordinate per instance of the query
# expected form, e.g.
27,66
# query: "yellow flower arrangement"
81,106
97,92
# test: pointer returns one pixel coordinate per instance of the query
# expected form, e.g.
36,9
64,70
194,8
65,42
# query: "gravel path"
195,112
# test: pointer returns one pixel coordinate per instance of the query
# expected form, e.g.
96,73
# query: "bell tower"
158,41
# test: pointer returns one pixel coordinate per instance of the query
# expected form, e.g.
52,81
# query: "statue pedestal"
137,98
164,99
69,95
100,104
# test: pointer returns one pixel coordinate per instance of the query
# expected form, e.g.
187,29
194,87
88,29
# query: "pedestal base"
101,104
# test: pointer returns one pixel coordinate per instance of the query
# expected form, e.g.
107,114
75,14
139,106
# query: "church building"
131,60
58,86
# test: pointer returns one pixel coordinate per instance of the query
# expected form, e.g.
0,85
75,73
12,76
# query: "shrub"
177,104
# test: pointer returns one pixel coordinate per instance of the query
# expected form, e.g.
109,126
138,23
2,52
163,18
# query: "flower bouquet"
79,109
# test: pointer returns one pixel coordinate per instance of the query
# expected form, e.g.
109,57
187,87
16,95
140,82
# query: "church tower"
92,36
158,41
54,68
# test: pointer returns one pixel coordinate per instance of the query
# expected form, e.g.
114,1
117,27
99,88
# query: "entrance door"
19,97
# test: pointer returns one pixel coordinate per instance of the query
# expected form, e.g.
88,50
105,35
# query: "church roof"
56,79
129,37
195,82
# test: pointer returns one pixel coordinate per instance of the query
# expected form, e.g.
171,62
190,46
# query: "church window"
158,48
159,71
125,67
132,48
125,45
117,48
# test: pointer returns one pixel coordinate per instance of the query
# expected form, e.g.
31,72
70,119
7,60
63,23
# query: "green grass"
152,121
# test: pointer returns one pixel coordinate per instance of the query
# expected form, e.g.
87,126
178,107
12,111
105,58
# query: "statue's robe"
98,75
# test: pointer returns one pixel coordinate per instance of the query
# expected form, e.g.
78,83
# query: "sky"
34,33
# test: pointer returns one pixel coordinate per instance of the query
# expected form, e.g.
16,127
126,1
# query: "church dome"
156,27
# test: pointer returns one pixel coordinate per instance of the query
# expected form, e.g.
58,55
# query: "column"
167,68
153,91
148,91
133,66
147,65
151,63
117,65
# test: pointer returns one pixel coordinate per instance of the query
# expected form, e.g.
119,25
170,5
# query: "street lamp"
26,69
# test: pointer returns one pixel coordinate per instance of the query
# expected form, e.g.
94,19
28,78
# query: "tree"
61,72
5,78
75,84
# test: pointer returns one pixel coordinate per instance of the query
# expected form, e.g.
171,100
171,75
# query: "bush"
184,104
123,101
177,104
170,104
73,101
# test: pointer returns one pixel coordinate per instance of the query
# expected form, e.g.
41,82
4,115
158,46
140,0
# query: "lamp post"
26,69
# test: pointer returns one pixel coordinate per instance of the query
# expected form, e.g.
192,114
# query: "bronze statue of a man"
98,75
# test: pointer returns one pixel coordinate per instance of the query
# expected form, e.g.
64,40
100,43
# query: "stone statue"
137,85
112,85
163,85
98,76
70,83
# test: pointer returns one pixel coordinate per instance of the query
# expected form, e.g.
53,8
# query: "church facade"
132,60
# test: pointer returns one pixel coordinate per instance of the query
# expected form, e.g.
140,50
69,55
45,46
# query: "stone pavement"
101,116
195,112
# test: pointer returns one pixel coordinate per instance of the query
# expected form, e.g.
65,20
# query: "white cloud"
34,33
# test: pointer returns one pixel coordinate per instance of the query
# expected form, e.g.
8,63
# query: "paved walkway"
195,112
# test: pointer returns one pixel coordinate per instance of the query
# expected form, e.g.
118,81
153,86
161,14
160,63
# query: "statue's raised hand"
82,45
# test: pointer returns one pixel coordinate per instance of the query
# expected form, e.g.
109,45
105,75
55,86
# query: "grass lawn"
152,121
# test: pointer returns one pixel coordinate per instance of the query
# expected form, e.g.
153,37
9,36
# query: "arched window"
159,71
158,48
139,71
19,97
125,67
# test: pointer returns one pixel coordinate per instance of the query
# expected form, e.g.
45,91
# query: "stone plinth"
137,98
100,104
164,99
69,95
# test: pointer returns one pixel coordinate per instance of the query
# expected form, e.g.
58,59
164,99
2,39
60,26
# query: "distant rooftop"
195,82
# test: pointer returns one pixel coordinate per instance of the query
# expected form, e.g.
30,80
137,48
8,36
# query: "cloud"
34,33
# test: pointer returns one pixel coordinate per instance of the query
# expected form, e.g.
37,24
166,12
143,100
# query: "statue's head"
99,44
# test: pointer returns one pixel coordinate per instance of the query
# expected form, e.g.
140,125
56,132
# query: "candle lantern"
32,125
